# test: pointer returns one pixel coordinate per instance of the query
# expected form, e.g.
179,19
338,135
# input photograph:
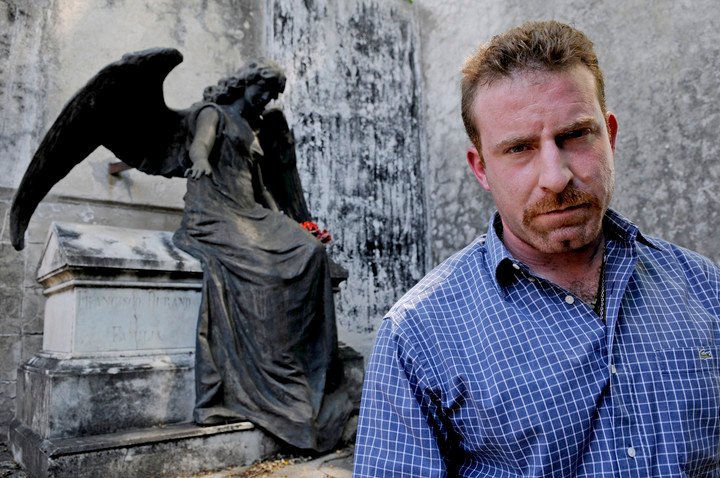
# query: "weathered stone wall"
353,98
661,61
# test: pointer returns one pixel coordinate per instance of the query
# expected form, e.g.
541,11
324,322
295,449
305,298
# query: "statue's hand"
199,169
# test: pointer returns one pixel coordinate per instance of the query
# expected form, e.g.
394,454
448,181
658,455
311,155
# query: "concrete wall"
661,62
353,99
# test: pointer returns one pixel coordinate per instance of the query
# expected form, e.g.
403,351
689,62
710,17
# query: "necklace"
599,303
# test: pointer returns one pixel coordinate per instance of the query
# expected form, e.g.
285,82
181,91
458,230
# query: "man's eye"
577,133
517,149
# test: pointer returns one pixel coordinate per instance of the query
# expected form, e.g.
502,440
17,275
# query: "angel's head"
258,82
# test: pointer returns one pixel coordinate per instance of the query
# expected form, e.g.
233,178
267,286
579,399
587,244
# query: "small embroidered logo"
704,354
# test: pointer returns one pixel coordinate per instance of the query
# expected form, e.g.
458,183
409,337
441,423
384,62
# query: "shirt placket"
630,456
581,312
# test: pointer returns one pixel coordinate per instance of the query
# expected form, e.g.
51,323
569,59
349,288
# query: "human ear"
612,127
476,163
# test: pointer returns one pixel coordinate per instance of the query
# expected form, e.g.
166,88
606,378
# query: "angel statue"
266,338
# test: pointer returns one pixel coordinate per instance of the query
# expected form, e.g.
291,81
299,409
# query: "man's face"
547,157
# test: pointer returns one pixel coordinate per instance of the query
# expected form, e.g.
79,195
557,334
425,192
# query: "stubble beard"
571,235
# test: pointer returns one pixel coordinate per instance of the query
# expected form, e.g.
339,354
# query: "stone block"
11,299
10,353
33,308
31,346
84,397
7,401
4,210
5,200
92,320
115,290
108,250
12,264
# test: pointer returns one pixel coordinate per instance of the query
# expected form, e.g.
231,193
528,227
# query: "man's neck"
577,271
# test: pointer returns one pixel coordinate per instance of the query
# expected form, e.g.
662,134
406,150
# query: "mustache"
570,196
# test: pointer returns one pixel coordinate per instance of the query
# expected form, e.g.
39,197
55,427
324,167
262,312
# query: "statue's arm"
202,143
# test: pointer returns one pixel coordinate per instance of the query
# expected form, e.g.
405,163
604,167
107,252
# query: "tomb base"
111,393
89,418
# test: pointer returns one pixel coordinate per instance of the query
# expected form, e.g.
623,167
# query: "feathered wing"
122,108
279,165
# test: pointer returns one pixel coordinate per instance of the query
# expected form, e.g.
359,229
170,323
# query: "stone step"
170,451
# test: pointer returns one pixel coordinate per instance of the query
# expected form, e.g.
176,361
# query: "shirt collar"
499,258
506,267
620,228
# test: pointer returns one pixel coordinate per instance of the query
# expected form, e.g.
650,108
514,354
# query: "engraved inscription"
115,319
135,302
121,335
96,301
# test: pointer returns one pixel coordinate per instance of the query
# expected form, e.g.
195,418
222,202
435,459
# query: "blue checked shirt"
485,370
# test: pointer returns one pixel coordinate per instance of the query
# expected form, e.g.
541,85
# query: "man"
563,342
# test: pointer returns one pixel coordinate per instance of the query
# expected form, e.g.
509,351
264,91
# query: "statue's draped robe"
266,339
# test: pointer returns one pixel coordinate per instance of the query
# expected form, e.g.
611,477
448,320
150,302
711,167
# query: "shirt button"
613,370
631,452
516,267
531,279
570,299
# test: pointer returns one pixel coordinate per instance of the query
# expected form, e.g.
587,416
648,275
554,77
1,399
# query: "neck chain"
600,296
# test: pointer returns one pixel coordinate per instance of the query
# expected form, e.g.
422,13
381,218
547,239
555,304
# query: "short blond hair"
537,45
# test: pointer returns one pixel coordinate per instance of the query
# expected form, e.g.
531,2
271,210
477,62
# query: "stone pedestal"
112,391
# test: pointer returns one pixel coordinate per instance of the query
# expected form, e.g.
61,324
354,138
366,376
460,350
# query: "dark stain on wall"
353,99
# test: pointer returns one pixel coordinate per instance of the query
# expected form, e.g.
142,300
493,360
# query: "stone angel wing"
279,165
121,108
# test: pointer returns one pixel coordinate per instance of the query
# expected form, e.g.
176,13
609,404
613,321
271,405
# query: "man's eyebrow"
587,122
512,141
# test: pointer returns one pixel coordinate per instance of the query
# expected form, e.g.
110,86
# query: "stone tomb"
112,391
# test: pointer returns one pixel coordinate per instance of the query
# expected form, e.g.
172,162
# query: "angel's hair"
230,88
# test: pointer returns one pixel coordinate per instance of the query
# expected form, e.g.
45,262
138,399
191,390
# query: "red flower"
323,236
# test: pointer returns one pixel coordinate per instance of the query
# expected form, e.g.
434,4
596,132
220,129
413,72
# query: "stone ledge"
178,431
95,250
179,449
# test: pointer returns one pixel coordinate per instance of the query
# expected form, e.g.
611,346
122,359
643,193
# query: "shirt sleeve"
394,438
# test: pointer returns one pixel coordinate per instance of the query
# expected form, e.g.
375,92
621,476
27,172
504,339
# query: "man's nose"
555,173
